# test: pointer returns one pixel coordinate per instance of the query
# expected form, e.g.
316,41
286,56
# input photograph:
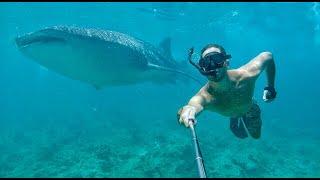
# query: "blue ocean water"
53,126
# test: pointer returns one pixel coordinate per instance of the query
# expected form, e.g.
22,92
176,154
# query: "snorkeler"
229,92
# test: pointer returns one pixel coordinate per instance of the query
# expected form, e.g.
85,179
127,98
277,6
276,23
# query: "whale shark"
101,57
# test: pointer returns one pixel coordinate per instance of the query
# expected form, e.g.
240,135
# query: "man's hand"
186,114
269,94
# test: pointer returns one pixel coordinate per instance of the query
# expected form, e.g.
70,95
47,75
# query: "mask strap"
228,56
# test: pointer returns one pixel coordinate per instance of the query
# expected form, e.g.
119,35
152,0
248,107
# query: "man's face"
220,71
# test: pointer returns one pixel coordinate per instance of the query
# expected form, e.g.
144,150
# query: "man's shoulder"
236,74
205,91
251,69
241,75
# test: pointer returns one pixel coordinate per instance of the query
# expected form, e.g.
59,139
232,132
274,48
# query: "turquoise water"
52,126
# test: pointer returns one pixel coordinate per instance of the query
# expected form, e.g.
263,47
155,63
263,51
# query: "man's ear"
227,63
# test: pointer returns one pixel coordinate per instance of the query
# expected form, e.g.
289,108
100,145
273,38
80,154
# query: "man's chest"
234,102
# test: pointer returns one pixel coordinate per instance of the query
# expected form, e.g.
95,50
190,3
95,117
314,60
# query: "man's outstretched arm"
192,109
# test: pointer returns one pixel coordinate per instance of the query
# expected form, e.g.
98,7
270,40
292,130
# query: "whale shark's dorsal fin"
97,87
165,45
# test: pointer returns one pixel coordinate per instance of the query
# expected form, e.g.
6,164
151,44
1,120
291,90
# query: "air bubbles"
234,13
315,8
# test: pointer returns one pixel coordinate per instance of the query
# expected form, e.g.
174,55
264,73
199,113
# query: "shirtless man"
230,92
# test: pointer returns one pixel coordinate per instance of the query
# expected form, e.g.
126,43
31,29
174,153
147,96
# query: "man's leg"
237,128
253,121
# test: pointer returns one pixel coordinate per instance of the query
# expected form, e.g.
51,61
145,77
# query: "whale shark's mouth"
27,40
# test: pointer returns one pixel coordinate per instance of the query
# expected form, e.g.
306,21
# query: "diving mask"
209,64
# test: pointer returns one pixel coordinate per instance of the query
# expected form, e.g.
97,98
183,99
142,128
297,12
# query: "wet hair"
223,51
